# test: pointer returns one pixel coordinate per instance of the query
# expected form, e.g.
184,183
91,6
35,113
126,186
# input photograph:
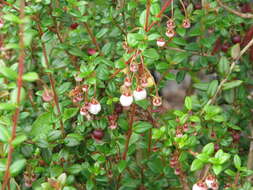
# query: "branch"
237,177
51,79
164,8
10,5
57,32
219,89
154,124
129,132
159,14
192,52
204,172
243,15
183,181
147,14
21,61
93,38
127,63
118,26
250,154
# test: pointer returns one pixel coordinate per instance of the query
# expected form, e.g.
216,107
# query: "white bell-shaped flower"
210,180
199,186
126,99
160,42
140,94
94,107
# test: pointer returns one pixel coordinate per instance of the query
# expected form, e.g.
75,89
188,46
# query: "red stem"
150,118
21,61
159,14
147,14
183,181
129,133
93,38
56,31
164,8
8,4
52,81
150,141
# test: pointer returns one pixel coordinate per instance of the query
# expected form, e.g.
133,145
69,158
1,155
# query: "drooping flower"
94,107
160,42
199,186
126,99
186,23
140,94
170,33
157,101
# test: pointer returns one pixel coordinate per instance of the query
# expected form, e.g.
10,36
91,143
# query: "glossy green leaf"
7,106
212,88
17,166
42,125
235,51
151,53
30,77
232,84
8,73
4,134
19,139
122,165
69,113
14,94
208,149
141,127
217,169
196,165
188,103
223,66
237,162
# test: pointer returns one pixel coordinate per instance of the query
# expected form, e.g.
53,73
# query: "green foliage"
79,54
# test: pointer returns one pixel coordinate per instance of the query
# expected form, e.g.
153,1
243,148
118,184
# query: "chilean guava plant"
81,102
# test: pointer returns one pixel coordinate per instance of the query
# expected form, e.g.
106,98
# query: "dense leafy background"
219,121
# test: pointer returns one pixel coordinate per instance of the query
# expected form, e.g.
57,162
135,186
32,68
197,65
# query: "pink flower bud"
91,51
47,95
134,67
170,33
113,126
177,171
144,82
127,82
1,23
171,24
186,23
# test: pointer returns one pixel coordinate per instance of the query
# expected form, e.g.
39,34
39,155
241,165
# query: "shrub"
82,105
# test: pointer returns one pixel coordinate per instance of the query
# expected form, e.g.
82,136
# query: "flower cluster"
210,182
138,78
181,129
174,163
29,178
170,30
79,94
